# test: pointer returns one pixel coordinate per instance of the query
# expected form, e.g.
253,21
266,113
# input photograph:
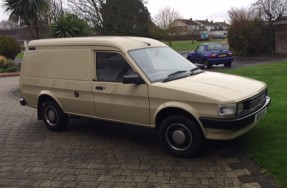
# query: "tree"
56,10
129,17
166,19
271,10
156,32
89,10
237,15
248,34
27,12
69,25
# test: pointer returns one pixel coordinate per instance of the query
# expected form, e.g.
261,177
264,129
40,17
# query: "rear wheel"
54,118
181,136
206,64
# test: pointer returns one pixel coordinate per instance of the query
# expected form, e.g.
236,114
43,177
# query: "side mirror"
133,79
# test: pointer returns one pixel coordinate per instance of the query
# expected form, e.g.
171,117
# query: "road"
92,153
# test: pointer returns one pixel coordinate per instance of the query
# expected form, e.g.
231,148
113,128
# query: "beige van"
138,81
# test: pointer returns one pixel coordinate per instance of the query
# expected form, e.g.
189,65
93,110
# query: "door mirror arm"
133,79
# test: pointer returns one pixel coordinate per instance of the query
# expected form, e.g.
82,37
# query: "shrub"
9,47
3,61
8,65
69,25
248,34
12,69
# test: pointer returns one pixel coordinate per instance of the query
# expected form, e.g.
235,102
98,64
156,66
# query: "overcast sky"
215,10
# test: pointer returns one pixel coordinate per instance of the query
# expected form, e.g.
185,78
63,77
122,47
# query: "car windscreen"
215,46
159,62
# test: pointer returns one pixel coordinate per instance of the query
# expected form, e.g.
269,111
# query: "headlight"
230,109
227,109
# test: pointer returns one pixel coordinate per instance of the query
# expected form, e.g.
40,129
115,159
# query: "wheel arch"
42,97
172,110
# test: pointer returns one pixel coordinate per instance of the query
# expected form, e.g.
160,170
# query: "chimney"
207,20
190,19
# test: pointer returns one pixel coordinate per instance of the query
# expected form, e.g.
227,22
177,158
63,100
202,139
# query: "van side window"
111,67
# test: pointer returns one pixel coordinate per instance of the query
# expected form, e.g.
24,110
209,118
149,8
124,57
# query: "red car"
211,54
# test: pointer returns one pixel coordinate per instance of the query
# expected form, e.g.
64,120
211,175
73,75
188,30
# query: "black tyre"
227,65
181,136
206,64
54,118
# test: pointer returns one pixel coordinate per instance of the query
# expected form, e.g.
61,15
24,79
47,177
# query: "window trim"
95,64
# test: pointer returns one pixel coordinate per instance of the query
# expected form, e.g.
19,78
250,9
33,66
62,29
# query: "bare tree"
271,10
56,10
166,19
88,10
9,25
242,14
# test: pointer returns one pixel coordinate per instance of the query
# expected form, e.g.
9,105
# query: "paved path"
98,154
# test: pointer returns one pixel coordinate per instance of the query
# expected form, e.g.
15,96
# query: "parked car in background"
219,37
209,54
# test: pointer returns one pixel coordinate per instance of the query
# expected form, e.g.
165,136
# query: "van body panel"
123,102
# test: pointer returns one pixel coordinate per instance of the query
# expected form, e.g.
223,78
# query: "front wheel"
181,136
54,118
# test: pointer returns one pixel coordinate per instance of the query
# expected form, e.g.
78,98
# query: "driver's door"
199,54
114,100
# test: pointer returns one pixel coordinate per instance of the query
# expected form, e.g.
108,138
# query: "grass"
267,142
187,45
20,55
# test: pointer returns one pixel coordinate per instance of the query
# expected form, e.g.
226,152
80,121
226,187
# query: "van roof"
122,42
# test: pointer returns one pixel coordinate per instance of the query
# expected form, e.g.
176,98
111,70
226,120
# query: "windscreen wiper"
173,75
193,71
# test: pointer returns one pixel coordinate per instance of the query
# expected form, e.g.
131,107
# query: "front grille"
254,103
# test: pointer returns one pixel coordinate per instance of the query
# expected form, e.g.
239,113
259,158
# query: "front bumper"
236,123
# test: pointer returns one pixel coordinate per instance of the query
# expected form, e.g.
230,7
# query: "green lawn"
187,45
20,55
267,142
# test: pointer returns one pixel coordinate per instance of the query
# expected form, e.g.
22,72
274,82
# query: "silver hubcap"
51,115
178,136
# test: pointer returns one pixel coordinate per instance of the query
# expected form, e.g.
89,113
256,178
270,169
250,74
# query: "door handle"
99,88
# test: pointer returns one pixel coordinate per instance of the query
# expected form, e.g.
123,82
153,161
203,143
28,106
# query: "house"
207,25
187,25
222,25
281,36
